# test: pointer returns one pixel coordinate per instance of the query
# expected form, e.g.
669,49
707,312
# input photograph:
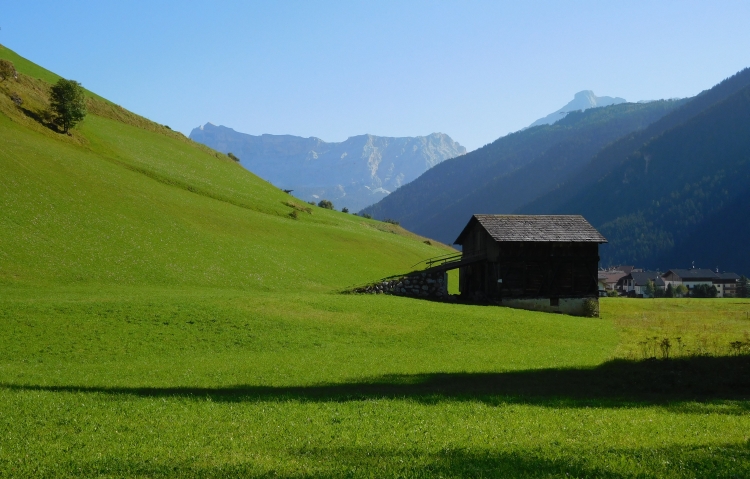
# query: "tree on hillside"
7,70
67,103
325,204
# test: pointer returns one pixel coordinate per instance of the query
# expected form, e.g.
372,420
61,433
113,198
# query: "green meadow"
164,314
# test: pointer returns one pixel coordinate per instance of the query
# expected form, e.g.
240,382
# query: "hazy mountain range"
354,173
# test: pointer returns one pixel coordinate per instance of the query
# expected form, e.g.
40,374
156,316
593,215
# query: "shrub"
681,290
704,291
16,98
393,222
325,204
298,207
311,203
7,70
590,308
231,155
743,289
293,214
612,293
344,209
649,289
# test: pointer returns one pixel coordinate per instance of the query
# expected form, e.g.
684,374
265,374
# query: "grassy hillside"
124,201
162,315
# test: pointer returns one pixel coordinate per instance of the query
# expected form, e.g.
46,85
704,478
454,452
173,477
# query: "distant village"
694,282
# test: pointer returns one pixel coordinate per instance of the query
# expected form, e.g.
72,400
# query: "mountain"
583,100
674,193
354,173
513,170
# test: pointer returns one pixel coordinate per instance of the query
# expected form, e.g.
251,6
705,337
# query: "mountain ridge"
353,173
583,100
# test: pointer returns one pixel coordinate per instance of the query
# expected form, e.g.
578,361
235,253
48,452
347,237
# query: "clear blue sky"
475,70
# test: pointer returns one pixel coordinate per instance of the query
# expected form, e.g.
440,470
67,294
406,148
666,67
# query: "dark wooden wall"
529,269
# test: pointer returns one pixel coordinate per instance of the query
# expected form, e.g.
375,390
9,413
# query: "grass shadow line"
617,383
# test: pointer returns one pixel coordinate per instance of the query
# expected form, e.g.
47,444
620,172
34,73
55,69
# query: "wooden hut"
543,263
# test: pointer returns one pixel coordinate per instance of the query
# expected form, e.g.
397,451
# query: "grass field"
162,314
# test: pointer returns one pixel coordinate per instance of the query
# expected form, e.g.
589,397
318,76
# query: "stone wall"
417,284
571,306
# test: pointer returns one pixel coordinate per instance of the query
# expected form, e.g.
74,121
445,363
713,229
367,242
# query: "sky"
475,70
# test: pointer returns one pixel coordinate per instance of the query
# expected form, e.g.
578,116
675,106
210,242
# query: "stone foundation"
421,285
572,306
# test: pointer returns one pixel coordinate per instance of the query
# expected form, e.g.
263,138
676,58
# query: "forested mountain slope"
616,153
513,170
681,196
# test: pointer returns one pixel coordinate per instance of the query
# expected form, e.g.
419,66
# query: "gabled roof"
730,276
641,278
611,276
541,228
695,274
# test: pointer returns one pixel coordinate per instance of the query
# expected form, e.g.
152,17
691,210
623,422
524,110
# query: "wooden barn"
543,263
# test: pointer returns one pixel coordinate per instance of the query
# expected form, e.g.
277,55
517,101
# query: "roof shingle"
541,228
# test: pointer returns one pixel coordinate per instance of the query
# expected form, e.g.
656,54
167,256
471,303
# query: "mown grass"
162,315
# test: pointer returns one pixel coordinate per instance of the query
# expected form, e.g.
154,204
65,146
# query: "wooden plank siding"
528,269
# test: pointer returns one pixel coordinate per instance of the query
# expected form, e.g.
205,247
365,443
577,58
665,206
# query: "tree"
705,291
67,103
231,155
344,209
669,293
325,204
650,289
7,70
681,290
743,288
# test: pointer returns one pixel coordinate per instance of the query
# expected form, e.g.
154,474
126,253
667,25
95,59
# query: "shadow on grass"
43,118
618,383
715,461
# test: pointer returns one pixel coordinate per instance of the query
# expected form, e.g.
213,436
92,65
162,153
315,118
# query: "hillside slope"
354,173
513,170
126,201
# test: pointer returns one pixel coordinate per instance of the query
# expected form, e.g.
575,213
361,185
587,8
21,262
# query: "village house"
725,283
609,278
543,263
634,284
